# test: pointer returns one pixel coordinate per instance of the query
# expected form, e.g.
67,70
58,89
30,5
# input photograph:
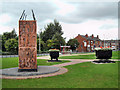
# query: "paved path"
70,63
73,61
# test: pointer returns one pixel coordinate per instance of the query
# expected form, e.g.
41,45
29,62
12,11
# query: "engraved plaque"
27,45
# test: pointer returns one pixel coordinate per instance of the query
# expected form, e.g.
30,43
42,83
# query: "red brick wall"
80,40
102,44
84,49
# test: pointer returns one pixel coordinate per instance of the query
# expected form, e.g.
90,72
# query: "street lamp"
75,47
15,49
39,39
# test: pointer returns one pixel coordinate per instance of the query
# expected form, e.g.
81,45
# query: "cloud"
66,12
96,10
5,28
109,24
75,17
42,10
90,27
4,18
63,8
92,11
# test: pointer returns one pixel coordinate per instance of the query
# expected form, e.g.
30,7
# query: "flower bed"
103,53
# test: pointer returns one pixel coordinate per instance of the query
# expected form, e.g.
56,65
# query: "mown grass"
82,75
115,55
13,62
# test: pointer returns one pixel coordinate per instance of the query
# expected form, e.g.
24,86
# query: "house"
115,44
88,43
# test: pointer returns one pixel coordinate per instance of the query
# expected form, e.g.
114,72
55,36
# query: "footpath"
73,61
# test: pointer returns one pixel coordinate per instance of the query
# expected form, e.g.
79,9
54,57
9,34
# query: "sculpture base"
27,70
41,70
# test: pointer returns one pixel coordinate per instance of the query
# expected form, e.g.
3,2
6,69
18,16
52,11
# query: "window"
85,44
81,45
91,42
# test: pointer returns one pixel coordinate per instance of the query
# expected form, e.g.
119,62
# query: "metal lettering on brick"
27,45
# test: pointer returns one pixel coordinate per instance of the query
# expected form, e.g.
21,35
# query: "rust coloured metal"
27,45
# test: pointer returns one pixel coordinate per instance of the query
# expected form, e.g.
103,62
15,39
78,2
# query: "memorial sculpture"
27,53
27,44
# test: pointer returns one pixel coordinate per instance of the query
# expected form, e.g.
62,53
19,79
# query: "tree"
9,35
6,36
11,45
50,30
52,35
73,43
58,40
13,34
50,44
55,42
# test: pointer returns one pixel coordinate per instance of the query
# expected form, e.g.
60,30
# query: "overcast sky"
75,16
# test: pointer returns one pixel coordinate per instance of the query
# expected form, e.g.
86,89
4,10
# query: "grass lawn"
115,55
13,62
82,75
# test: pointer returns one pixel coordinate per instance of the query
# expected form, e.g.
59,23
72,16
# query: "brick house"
88,43
112,43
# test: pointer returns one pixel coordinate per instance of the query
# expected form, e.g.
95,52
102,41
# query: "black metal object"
54,55
103,54
33,15
24,16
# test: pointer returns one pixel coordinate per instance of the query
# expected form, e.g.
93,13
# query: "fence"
41,54
8,56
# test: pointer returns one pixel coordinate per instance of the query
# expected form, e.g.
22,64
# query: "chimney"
92,36
98,36
86,35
